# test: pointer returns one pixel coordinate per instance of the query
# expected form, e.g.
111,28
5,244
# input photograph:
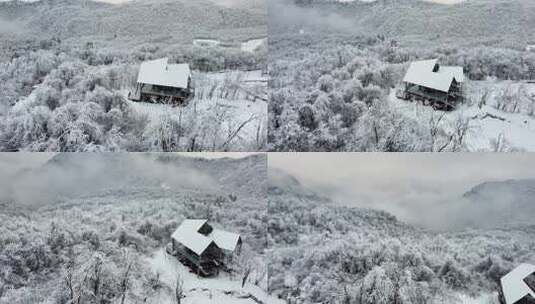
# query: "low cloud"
421,189
45,181
286,14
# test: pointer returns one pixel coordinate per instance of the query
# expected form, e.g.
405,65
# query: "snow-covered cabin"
205,249
518,286
439,86
158,81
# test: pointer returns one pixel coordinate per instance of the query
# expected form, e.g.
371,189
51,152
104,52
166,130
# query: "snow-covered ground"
487,125
221,290
237,100
253,44
483,299
206,42
247,46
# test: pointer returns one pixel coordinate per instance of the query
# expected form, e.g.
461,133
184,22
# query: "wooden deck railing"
436,97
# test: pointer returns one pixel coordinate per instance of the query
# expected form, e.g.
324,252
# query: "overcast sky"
405,184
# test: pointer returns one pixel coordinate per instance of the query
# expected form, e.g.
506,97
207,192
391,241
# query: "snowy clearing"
487,127
233,104
253,44
222,289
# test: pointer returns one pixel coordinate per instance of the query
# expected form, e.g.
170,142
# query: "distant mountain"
312,211
72,175
241,175
523,189
504,201
356,255
278,179
179,19
487,21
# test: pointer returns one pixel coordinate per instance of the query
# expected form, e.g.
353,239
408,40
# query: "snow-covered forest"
335,67
66,67
325,252
92,228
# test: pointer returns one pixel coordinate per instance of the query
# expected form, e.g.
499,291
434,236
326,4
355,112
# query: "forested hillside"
494,22
335,68
323,252
67,66
173,21
99,238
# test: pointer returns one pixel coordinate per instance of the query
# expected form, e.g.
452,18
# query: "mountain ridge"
470,22
179,19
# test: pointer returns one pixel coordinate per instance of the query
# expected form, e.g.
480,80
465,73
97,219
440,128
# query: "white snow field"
198,290
488,126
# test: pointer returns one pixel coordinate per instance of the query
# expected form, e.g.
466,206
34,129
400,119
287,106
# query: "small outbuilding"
518,286
160,82
202,248
435,85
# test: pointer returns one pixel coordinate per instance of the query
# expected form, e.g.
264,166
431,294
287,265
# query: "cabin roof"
225,240
159,72
421,73
188,235
513,286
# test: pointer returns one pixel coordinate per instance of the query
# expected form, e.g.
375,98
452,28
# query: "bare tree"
260,273
246,273
260,140
499,144
96,277
70,286
74,296
245,264
124,282
434,128
234,133
461,127
483,98
2,288
179,289
347,296
530,98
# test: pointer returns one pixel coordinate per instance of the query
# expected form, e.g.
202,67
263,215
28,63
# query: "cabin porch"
205,265
160,94
438,100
